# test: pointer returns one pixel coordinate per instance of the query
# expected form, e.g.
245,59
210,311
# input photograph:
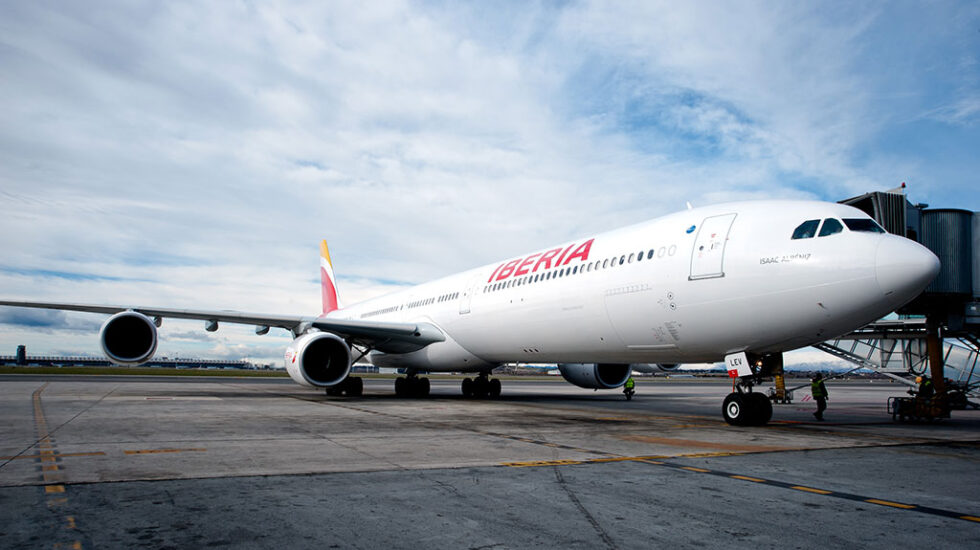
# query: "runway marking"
51,455
660,461
673,442
55,493
158,451
889,503
533,463
747,478
811,490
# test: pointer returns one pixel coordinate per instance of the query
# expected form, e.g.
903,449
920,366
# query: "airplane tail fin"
328,282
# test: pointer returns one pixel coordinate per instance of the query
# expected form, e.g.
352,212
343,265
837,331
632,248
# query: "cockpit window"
863,224
830,226
806,229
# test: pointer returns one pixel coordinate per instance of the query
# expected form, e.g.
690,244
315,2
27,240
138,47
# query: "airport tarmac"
169,462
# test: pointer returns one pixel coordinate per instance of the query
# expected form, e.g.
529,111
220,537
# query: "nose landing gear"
744,407
747,408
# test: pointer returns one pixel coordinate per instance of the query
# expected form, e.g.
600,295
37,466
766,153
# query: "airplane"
741,282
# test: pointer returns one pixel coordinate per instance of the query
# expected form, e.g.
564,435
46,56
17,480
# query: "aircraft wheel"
333,391
422,387
481,386
734,410
467,387
401,386
761,409
355,386
495,388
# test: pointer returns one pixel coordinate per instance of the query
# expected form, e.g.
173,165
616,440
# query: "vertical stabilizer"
328,282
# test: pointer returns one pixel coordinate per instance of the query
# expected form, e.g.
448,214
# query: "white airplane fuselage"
689,287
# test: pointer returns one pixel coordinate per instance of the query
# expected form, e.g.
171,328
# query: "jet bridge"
938,333
899,349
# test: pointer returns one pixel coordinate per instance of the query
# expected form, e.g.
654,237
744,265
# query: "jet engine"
595,376
668,366
128,338
318,359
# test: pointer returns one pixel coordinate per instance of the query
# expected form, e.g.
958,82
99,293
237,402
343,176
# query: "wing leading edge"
382,336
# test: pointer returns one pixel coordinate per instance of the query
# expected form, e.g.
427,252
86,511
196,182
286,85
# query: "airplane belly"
534,328
446,356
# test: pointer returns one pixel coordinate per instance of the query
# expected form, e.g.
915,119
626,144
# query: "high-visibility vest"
630,383
817,389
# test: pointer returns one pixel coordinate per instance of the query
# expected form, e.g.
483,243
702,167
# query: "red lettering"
522,269
546,259
508,269
558,261
494,273
581,252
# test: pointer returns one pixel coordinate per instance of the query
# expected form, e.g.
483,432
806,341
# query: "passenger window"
604,263
639,257
650,254
622,259
806,229
830,226
863,224
630,260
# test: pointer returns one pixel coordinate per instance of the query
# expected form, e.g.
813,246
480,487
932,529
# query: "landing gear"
744,407
747,408
481,387
411,386
352,386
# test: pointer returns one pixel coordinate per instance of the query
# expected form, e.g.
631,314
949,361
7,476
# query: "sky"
188,154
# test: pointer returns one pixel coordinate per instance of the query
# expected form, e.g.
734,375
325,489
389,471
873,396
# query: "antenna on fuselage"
689,207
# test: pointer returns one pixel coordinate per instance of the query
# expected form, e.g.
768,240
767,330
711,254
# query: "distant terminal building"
22,359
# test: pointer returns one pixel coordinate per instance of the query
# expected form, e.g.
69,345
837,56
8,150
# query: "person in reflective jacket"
819,392
628,390
925,387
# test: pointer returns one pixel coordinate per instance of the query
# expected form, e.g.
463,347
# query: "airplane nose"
903,267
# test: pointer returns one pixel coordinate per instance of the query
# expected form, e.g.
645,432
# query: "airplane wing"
382,336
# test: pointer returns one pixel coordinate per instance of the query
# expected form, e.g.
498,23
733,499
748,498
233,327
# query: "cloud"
191,156
41,318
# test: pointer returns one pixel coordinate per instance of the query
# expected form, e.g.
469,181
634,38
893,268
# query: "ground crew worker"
925,387
628,387
819,392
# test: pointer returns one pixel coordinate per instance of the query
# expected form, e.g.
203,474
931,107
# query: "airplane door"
467,298
708,256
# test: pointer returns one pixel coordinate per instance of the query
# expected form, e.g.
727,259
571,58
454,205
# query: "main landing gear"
411,385
352,386
481,387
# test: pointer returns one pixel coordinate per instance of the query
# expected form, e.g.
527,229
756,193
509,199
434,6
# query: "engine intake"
128,338
595,376
318,359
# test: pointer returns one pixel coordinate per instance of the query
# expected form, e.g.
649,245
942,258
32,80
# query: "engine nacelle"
128,338
318,359
668,366
595,376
